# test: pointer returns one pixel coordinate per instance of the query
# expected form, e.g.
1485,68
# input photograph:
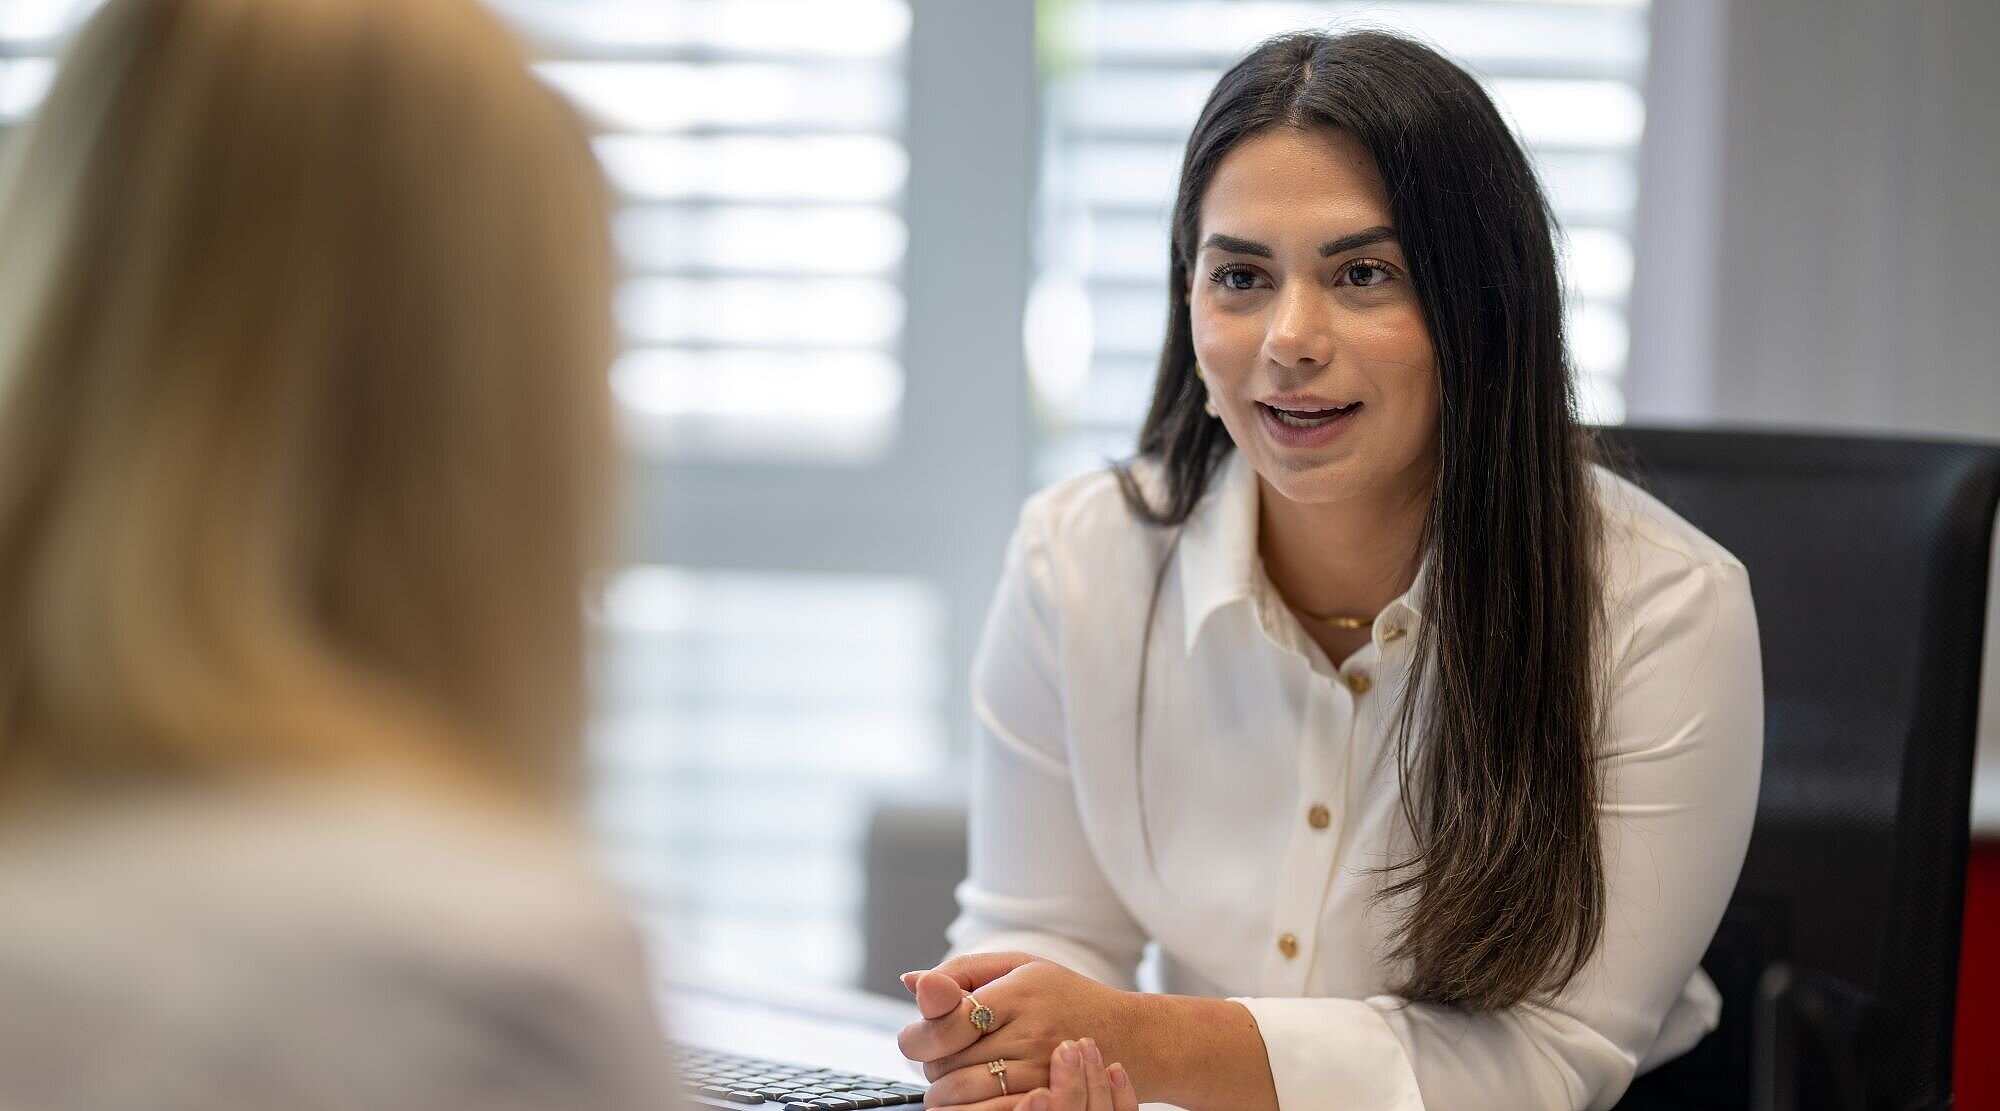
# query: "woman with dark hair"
1422,749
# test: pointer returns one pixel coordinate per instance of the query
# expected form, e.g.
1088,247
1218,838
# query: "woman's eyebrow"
1236,246
1363,238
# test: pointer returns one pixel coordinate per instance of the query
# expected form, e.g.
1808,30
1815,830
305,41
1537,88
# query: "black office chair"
1838,958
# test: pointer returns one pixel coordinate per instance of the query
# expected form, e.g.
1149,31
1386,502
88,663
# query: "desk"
824,1027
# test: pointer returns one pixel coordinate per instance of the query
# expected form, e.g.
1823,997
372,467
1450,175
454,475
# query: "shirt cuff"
1334,1053
1072,955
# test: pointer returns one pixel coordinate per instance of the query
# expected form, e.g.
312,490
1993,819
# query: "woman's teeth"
1307,418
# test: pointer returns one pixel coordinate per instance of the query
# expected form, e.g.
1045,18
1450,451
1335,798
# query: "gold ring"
999,1071
981,1016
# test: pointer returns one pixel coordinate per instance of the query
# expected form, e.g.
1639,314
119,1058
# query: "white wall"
1818,244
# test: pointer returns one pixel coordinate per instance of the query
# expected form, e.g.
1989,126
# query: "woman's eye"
1234,277
1366,274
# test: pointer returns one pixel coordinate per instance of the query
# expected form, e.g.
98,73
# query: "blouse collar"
1220,565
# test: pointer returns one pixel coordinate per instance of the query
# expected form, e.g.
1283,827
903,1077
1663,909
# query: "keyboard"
712,1078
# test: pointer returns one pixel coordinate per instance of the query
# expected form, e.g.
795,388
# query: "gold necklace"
1336,620
1341,620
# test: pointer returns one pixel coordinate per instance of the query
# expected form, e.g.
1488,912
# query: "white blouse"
1243,835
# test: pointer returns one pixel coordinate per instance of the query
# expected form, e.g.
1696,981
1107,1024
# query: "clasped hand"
1051,1029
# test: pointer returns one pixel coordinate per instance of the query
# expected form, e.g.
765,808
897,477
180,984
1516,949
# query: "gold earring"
1207,403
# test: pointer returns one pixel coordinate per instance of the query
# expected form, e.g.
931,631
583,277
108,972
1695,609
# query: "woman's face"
1306,323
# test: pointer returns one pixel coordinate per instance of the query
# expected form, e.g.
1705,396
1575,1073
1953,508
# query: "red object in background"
1977,1063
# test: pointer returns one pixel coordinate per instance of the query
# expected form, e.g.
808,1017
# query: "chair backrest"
914,858
1868,563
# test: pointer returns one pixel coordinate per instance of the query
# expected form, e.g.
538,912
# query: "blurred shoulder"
1090,520
1093,506
318,935
1082,541
347,859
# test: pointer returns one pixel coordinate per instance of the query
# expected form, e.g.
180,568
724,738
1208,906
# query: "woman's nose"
1299,333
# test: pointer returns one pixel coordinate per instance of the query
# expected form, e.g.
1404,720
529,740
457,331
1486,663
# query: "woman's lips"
1306,427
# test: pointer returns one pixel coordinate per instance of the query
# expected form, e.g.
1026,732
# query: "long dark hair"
1496,739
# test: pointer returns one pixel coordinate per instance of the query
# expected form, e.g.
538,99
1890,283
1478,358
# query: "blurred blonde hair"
304,321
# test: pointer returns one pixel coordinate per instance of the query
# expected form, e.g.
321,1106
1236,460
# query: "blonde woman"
303,446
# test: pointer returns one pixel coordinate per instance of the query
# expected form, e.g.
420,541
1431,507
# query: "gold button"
1288,945
1319,816
1358,683
1393,632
